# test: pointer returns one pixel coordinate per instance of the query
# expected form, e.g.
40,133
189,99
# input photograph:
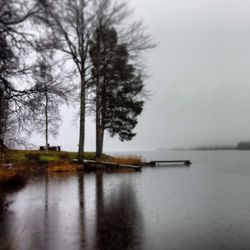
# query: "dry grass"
115,171
61,167
127,160
36,156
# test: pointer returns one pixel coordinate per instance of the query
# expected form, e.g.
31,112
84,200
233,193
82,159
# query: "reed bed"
127,160
60,167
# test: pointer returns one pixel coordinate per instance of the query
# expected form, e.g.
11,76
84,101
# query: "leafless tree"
15,15
70,23
15,43
46,104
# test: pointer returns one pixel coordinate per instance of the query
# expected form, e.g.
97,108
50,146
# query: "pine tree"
117,87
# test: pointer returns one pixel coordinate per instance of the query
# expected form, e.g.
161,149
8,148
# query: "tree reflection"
4,236
118,222
2,202
39,220
6,240
81,210
63,219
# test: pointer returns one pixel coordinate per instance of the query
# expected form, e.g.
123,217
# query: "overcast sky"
200,81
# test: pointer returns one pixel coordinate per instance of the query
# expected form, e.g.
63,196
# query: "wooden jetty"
95,165
169,163
92,165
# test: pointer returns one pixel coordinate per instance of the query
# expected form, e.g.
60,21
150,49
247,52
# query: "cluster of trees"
89,47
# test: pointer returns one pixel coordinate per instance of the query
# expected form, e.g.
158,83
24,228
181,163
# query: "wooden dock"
92,165
95,165
169,163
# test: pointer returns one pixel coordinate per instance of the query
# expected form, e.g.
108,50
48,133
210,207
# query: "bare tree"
15,87
14,42
46,104
70,24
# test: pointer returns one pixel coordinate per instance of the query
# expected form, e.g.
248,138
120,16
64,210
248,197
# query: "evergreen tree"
117,87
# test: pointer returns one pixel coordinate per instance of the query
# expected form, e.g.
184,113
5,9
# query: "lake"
204,206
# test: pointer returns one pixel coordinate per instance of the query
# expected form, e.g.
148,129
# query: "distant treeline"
215,148
240,146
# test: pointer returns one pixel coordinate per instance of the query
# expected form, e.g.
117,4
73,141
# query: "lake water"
205,206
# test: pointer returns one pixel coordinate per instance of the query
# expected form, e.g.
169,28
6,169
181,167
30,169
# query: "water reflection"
118,222
2,202
4,238
6,241
82,242
73,212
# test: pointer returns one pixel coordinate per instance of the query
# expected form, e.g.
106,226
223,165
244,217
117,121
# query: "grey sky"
200,80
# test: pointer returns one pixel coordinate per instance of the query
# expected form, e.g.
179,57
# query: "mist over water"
204,206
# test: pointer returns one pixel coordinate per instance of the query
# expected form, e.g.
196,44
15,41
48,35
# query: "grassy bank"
22,157
37,161
17,163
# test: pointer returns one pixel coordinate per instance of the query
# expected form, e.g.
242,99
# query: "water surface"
206,206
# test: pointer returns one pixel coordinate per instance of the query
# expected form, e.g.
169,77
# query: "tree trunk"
98,123
101,140
102,115
82,120
46,122
2,126
99,136
98,151
82,72
1,135
1,150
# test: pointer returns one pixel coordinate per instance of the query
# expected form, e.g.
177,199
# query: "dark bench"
51,148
